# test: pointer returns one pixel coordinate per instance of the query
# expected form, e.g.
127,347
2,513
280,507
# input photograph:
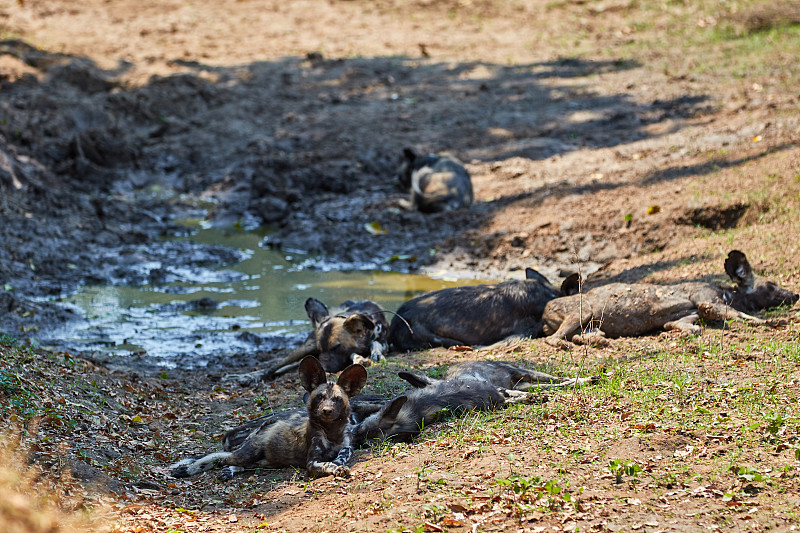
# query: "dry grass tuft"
32,503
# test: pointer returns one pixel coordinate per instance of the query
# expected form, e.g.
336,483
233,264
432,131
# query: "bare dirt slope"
632,140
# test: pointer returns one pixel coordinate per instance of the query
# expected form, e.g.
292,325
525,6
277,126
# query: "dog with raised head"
320,440
472,315
354,332
631,309
438,182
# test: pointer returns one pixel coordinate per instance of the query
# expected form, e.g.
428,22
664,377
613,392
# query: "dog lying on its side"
471,386
319,439
353,332
630,309
473,315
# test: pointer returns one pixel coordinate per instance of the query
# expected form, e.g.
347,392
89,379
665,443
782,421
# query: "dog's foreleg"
713,311
378,351
564,332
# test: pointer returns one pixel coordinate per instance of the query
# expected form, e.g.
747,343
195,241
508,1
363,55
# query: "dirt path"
628,140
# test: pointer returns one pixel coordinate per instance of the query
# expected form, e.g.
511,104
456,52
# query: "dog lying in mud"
319,439
622,309
354,332
438,182
472,315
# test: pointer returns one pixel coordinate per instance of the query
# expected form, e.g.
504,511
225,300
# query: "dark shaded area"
714,217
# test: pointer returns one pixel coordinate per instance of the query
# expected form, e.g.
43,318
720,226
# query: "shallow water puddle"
202,316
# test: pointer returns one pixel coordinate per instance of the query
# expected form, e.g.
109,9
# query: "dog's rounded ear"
316,311
357,325
390,411
352,379
571,285
409,154
312,375
738,268
535,275
416,381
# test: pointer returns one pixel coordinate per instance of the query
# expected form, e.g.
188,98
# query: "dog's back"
472,315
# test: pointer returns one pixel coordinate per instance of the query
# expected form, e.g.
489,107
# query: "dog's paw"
361,360
179,470
778,322
226,474
342,471
591,339
555,342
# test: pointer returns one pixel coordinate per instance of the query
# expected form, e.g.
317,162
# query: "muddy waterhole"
201,316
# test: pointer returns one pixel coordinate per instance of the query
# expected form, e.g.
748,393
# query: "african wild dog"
438,182
354,332
472,315
622,309
319,439
404,416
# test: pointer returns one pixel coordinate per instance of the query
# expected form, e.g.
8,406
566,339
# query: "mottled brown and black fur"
472,315
438,182
319,439
623,309
353,332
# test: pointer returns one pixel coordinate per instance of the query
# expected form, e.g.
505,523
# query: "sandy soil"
597,143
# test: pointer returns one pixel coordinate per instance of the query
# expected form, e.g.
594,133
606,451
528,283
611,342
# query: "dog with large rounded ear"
312,375
358,325
352,379
738,269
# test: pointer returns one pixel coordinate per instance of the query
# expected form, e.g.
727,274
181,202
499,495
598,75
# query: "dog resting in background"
630,309
319,439
438,182
353,332
473,315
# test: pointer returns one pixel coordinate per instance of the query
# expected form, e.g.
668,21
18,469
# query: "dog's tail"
193,465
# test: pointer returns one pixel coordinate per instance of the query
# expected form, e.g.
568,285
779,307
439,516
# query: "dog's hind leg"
685,324
514,396
565,383
190,467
